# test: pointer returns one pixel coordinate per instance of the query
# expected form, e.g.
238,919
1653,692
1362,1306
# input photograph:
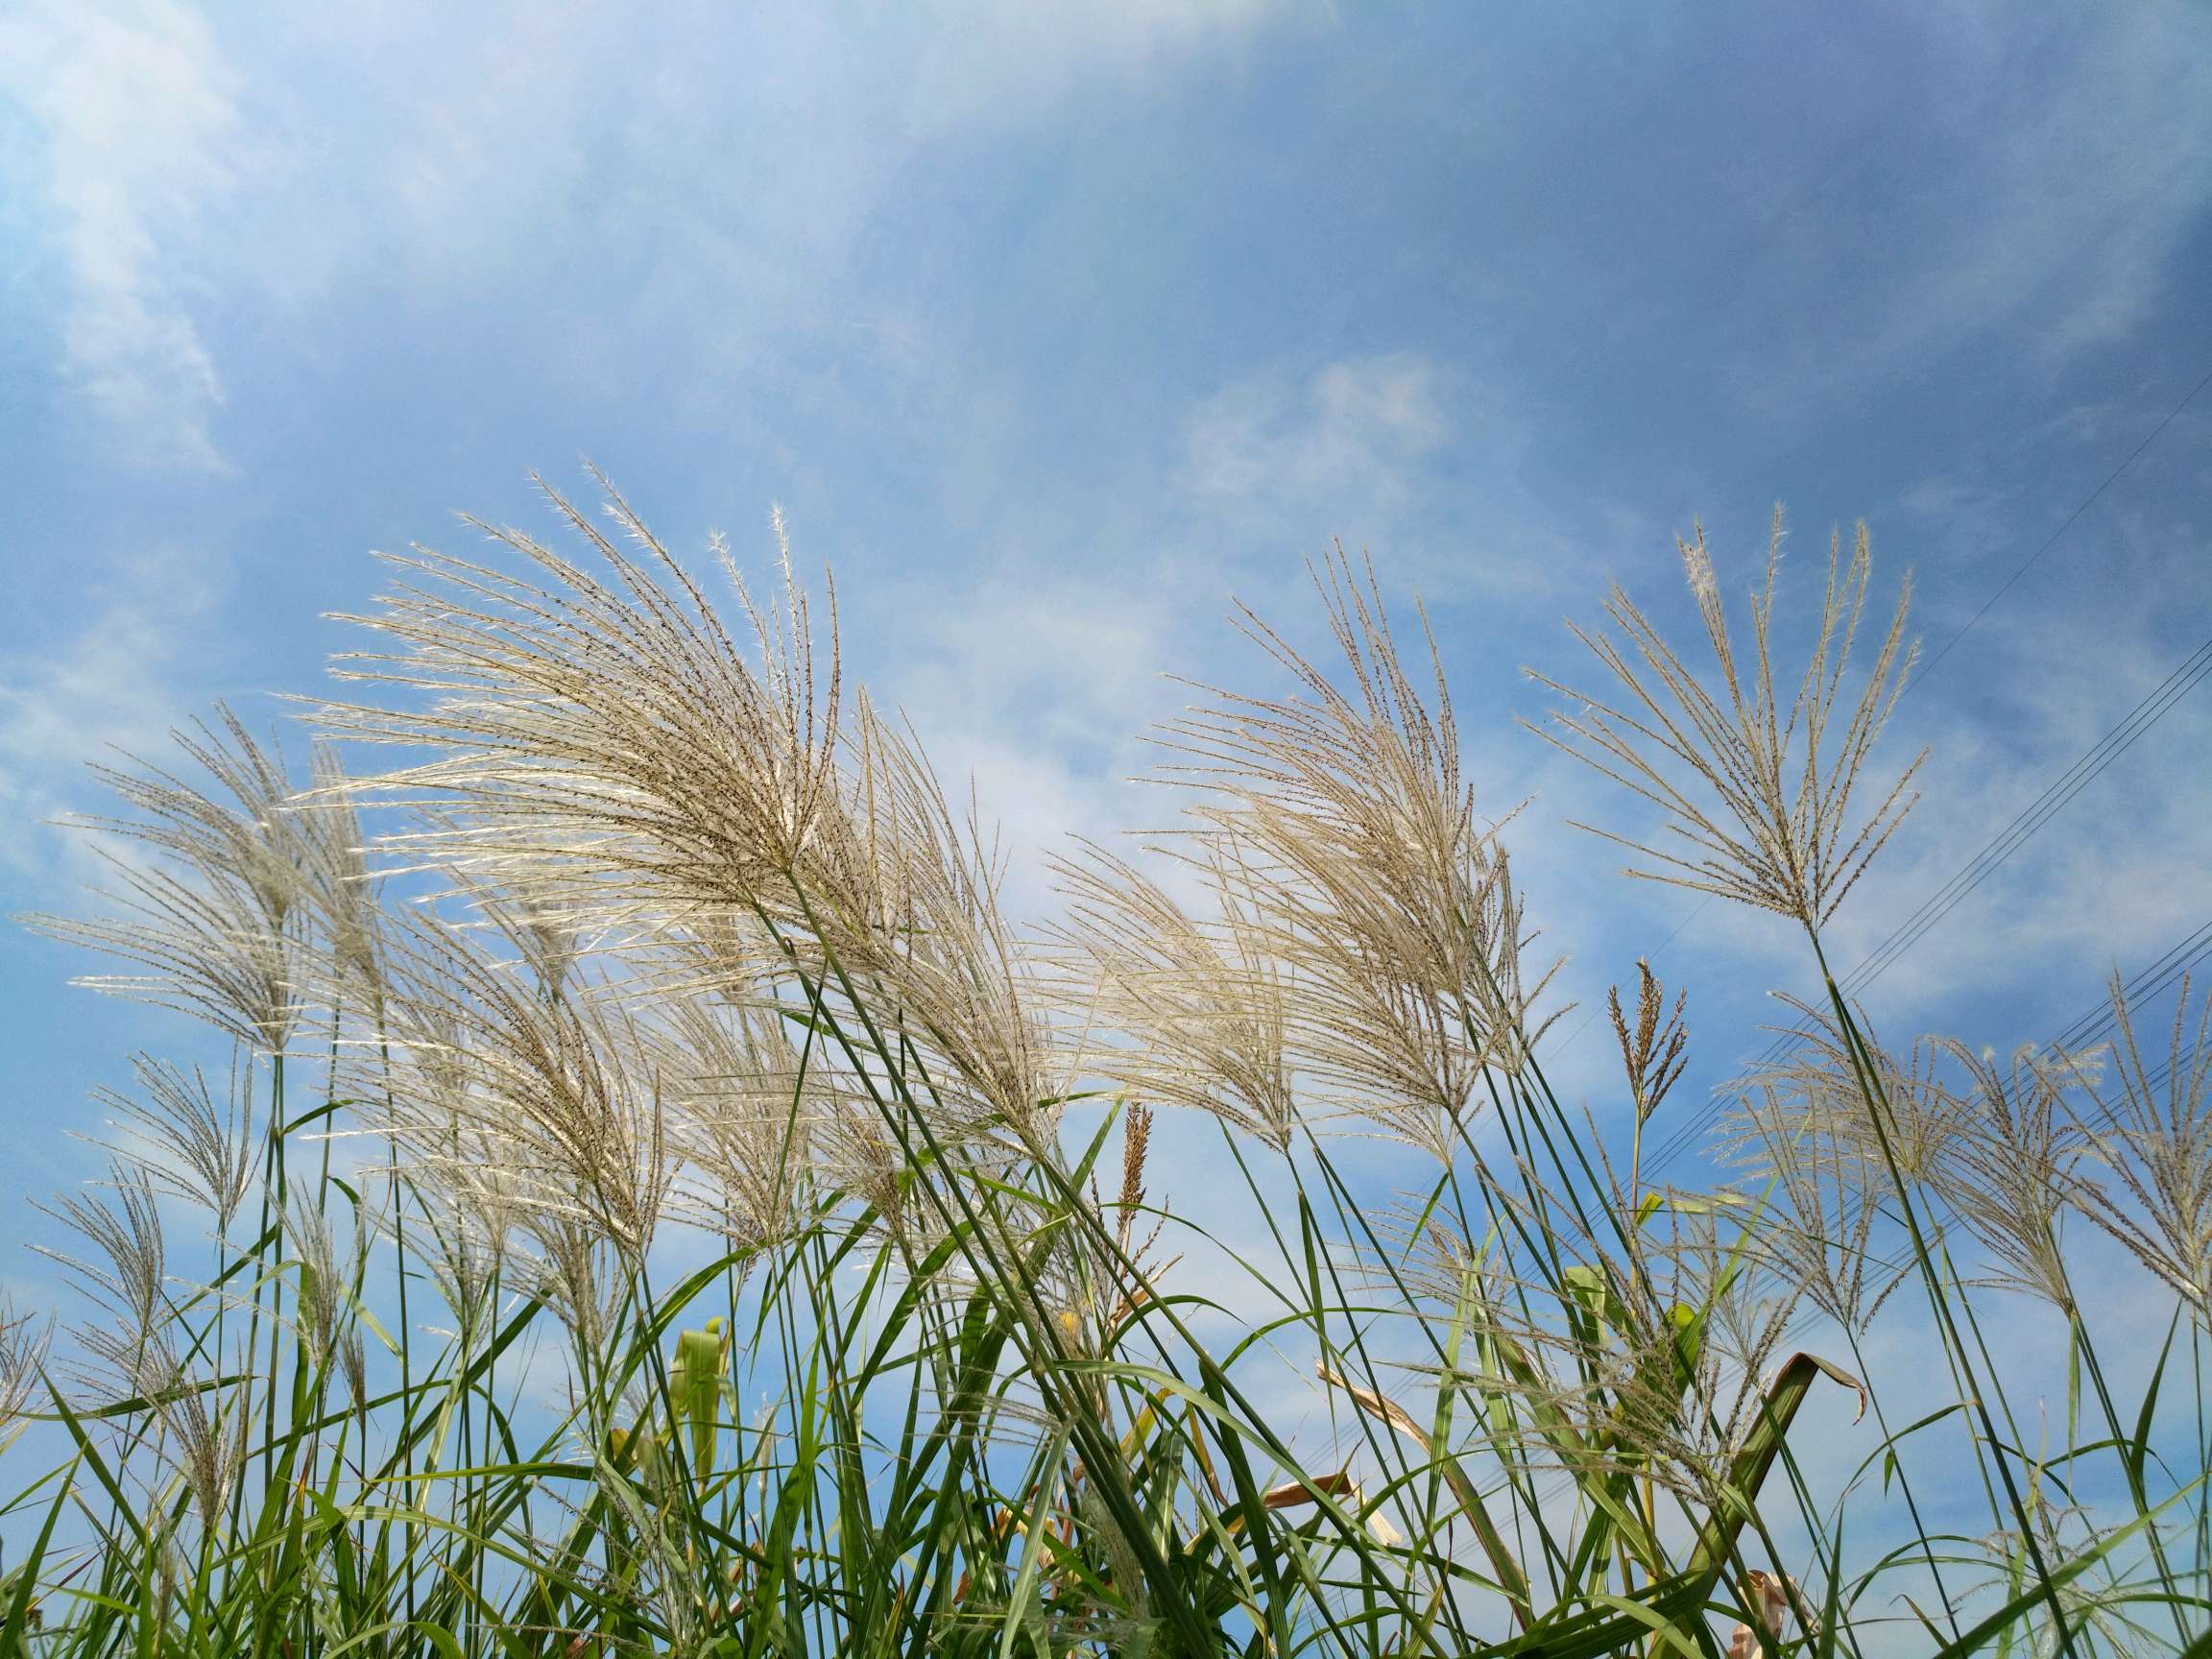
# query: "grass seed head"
1761,793
1201,1005
2149,1127
1652,1055
2008,1168
1382,903
210,887
185,1143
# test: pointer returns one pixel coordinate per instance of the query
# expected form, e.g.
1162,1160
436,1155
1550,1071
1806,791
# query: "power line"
2006,587
2192,672
1928,668
2195,669
2149,982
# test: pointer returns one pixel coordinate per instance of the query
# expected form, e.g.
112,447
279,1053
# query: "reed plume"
218,917
1385,901
697,938
1826,1195
1203,1004
125,1276
2151,1128
2008,1168
181,1141
555,1087
1652,1055
1762,796
24,1339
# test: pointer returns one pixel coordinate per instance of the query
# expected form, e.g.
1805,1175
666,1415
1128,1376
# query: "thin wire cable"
1928,667
2006,587
2009,840
2203,935
2148,982
2193,671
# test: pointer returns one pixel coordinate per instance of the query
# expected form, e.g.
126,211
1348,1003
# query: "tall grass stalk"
703,1240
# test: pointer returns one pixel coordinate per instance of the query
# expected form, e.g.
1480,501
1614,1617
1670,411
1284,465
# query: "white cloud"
1032,688
1397,453
2080,199
2036,179
980,59
1349,446
2097,884
108,687
137,115
721,167
1037,679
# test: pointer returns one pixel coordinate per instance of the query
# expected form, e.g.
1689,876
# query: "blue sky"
1052,327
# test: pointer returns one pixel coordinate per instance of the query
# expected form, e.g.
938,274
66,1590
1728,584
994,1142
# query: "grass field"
661,1204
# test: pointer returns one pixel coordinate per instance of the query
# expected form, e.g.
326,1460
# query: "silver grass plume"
1201,1002
1826,1195
2008,1168
1653,1356
1385,903
1759,794
325,1279
1742,1316
580,1276
23,1343
605,741
462,1245
945,965
464,1212
126,1275
217,917
1652,1054
551,1088
183,1141
2095,1593
1925,1113
2152,1130
206,1437
610,753
752,1106
347,896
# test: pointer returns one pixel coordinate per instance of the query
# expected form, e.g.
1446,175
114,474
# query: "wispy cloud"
136,113
985,59
1031,690
2033,183
2075,201
1037,676
718,168
1416,459
112,686
1349,445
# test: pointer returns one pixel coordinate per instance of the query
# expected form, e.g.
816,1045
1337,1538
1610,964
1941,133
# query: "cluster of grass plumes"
660,1200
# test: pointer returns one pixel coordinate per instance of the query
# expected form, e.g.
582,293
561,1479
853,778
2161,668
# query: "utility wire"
2148,981
2193,948
2193,672
1929,666
2006,587
2092,1027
